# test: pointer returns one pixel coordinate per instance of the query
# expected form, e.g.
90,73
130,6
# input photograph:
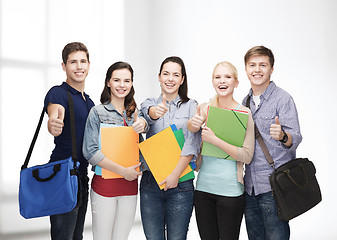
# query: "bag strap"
260,140
72,129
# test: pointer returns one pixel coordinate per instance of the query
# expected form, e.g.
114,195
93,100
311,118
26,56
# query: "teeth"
223,87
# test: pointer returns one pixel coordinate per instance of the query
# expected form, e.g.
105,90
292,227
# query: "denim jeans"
262,222
69,226
171,209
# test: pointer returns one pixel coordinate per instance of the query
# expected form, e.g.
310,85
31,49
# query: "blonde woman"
219,195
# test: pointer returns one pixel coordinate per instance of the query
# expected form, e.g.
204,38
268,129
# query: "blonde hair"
215,100
230,66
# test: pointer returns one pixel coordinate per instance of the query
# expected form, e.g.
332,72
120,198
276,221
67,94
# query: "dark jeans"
171,209
218,217
262,222
69,226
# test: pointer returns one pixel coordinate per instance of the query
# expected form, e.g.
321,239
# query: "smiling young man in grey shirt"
275,115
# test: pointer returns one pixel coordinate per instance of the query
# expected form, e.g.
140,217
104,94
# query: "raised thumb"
198,111
164,100
277,120
59,113
135,116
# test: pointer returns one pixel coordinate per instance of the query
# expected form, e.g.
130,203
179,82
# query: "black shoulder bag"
294,184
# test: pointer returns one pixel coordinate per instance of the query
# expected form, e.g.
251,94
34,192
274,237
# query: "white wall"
302,35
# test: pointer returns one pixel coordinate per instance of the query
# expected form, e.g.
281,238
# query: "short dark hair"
183,89
129,103
260,51
73,47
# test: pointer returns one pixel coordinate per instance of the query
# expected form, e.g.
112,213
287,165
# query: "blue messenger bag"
51,188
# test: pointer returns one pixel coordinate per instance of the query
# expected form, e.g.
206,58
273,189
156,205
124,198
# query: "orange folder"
162,154
119,144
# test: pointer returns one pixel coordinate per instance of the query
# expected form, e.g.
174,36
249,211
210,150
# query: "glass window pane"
21,104
23,29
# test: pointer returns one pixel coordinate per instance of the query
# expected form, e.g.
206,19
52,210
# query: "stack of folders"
229,125
162,153
119,144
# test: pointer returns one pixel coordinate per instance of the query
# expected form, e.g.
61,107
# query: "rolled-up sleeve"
90,149
288,118
149,102
192,140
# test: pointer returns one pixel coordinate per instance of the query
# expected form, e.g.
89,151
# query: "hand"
130,173
197,120
171,181
207,135
55,125
161,109
276,131
138,124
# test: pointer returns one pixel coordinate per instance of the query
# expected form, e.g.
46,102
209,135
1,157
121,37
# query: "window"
33,34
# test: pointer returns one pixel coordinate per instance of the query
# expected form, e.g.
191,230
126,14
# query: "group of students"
222,194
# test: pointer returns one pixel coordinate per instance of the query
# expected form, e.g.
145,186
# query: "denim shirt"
178,115
103,113
274,102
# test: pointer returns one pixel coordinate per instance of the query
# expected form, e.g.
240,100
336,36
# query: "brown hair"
260,51
183,89
129,103
73,47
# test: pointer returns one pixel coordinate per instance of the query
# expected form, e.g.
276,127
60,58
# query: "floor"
136,233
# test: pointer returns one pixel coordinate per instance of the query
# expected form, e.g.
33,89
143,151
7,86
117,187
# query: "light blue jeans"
170,210
262,222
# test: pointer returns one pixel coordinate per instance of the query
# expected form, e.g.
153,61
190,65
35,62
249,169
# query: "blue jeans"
69,226
171,209
262,222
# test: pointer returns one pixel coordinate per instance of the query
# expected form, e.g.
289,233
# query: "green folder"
179,134
227,124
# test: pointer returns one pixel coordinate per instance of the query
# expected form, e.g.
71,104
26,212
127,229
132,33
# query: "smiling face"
76,68
224,80
259,70
170,79
120,83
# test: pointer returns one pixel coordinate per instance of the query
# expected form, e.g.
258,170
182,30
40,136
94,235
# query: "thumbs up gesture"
138,123
197,120
161,109
276,131
55,122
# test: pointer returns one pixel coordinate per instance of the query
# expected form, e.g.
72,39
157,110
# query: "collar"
72,90
266,94
109,106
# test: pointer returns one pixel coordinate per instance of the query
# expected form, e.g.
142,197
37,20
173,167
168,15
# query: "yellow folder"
162,154
119,144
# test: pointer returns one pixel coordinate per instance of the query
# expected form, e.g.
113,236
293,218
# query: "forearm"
111,166
226,147
289,142
181,166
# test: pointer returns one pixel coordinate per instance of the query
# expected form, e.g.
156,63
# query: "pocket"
266,120
186,186
180,120
106,119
